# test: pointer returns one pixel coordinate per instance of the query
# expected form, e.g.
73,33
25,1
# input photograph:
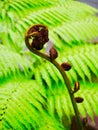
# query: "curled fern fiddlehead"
36,36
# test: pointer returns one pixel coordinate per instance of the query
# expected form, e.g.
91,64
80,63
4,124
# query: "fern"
83,30
43,103
59,102
10,63
50,16
23,103
56,18
83,58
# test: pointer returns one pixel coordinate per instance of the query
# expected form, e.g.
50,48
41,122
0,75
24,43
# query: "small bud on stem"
79,99
66,66
53,53
76,87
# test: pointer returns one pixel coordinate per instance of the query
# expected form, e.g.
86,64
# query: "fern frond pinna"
84,62
23,101
47,14
76,32
10,63
21,106
59,102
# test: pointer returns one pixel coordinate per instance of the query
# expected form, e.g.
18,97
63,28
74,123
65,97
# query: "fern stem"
66,80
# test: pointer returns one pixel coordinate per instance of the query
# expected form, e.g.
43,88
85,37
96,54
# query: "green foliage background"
32,91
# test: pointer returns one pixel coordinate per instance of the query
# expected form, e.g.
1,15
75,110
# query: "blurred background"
93,3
